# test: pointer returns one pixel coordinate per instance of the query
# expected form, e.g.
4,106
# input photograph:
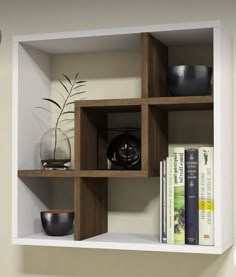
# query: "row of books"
187,197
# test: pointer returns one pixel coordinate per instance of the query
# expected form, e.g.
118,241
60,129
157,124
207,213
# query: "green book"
179,196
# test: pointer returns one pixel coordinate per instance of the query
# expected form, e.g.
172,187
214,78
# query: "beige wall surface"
31,16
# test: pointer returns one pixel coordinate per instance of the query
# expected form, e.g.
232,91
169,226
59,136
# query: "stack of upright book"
187,197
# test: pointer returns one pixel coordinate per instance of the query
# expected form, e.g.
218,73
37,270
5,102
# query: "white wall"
25,16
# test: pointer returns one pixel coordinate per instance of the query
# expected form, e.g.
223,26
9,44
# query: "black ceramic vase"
124,152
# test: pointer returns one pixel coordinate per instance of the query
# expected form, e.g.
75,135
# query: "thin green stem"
59,116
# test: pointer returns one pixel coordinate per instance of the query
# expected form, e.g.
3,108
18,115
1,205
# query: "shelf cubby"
93,122
36,196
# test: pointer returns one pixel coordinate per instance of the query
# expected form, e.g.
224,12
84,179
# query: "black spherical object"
57,222
189,80
125,151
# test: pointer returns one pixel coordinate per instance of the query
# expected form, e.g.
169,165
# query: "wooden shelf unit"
152,110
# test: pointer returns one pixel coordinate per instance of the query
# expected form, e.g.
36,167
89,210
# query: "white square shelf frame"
28,76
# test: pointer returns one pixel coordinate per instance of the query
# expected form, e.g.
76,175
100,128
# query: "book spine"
206,196
170,201
160,201
164,199
179,195
191,196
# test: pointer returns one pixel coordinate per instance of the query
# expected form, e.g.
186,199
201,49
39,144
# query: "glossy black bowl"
189,80
57,222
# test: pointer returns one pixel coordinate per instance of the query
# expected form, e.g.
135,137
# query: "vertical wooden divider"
154,121
158,141
90,194
76,179
154,64
154,138
145,138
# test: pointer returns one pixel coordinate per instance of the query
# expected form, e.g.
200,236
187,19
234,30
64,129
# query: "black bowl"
189,80
57,222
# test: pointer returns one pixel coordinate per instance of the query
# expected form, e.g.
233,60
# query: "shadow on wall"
89,262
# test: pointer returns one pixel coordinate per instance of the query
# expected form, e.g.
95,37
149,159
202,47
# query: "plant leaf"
72,119
52,101
80,82
78,86
69,103
43,109
68,112
64,86
77,93
77,74
67,78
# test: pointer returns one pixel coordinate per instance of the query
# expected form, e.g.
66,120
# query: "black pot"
188,80
57,222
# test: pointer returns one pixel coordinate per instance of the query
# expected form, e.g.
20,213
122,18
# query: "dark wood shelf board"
114,173
182,103
83,173
112,105
167,103
48,173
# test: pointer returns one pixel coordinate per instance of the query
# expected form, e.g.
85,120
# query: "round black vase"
124,152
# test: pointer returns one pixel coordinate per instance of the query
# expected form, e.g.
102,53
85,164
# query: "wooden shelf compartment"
93,135
158,53
91,146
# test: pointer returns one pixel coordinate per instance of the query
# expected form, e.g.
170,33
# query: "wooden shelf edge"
109,102
48,173
182,102
114,173
84,173
169,103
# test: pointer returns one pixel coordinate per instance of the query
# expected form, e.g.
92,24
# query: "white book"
179,195
206,196
164,200
170,200
160,201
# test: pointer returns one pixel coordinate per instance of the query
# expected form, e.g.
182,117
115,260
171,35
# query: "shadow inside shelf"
36,195
133,195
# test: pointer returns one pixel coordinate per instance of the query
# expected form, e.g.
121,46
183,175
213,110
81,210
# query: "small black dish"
57,222
188,80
